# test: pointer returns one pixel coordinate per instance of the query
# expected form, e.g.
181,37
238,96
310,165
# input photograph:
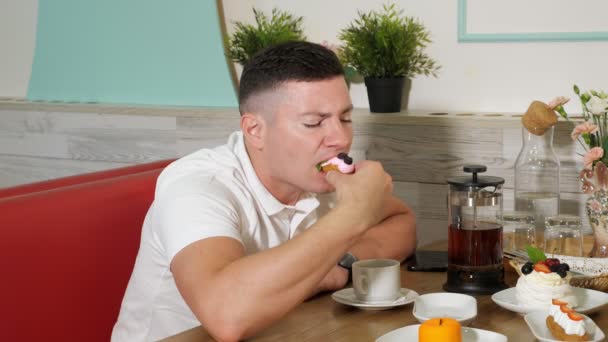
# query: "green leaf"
576,90
248,39
535,254
562,112
585,97
605,144
387,44
587,138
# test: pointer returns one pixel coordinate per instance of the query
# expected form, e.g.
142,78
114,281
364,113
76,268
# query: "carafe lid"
539,118
474,180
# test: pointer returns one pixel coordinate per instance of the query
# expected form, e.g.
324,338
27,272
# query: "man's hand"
365,193
335,279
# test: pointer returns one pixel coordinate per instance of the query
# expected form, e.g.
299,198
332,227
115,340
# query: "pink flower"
585,127
558,101
595,205
592,155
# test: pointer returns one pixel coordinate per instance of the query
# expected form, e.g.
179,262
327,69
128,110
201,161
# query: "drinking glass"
563,235
518,230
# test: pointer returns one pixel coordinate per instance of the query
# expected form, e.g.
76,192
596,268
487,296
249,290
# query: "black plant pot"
384,94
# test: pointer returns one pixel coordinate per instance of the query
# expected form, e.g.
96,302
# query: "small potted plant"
387,49
248,39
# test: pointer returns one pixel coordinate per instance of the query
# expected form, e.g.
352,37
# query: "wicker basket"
599,282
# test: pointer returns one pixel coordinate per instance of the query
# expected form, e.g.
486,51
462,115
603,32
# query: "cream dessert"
543,281
565,324
341,163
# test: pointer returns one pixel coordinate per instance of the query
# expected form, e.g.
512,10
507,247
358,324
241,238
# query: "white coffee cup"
376,280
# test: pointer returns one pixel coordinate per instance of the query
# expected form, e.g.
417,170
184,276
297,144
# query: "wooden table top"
323,319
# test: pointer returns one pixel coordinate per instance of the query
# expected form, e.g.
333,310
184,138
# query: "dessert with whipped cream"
341,163
565,324
543,280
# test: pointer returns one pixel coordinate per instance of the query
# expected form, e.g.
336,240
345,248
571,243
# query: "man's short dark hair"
290,61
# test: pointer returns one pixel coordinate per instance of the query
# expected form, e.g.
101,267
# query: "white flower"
597,105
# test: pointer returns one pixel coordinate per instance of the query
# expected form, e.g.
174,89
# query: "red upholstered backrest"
66,256
82,178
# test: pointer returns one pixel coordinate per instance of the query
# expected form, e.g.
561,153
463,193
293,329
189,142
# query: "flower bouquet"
592,134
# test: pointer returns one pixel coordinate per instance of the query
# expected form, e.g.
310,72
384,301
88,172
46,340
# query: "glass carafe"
537,177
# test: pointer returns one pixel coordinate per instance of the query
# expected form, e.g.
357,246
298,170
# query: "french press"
475,233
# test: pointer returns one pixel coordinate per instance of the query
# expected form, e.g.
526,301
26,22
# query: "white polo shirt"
212,192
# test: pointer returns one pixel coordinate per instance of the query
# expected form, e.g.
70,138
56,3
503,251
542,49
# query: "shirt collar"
272,206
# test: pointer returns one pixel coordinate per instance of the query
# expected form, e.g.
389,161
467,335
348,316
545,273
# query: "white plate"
536,322
347,296
410,334
460,307
588,301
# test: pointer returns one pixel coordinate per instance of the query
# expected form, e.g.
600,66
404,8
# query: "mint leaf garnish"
535,254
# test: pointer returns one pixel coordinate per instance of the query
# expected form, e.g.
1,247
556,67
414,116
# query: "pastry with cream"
565,324
341,163
543,280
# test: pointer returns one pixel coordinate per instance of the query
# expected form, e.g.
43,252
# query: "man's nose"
338,134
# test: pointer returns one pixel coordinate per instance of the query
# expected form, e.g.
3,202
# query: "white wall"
475,77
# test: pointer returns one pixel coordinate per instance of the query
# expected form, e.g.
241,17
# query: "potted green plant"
248,39
387,49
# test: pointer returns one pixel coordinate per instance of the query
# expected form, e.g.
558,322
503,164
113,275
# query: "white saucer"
536,322
410,334
347,296
460,307
589,301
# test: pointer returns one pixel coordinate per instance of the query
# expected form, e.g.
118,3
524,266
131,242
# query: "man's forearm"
393,238
335,279
280,285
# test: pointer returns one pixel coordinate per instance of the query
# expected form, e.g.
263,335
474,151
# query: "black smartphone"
428,261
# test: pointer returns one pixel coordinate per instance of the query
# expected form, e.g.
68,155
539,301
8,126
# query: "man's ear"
253,127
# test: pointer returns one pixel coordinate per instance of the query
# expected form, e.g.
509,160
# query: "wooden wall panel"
15,170
88,136
42,141
429,153
194,133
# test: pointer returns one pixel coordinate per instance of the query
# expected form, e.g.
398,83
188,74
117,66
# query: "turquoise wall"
156,52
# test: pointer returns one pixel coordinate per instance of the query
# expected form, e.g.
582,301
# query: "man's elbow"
226,334
225,330
226,324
